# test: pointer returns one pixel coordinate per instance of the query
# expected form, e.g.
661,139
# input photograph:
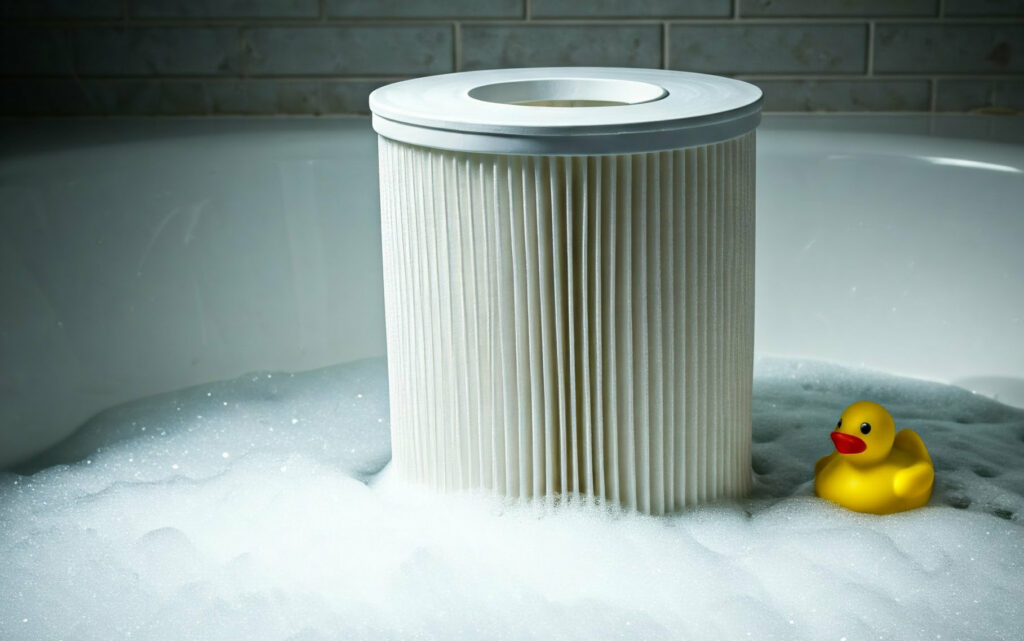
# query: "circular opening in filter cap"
586,110
569,92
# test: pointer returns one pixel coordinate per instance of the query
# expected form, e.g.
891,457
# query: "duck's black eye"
839,424
865,428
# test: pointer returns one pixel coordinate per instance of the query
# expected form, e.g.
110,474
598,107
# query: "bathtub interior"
147,256
228,267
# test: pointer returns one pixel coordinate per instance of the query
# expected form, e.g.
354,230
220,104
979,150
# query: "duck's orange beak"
848,443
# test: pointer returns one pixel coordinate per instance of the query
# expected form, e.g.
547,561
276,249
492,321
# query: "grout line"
245,57
942,8
735,9
527,10
207,101
243,53
664,45
871,49
322,98
403,76
867,115
934,98
322,10
457,46
829,77
198,116
995,21
76,78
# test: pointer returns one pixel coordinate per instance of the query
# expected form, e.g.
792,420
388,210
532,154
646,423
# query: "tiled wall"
195,57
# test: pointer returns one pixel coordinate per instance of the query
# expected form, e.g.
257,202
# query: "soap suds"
262,509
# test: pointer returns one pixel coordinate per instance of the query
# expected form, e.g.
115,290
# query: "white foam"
297,535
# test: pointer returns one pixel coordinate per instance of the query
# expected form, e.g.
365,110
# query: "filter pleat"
610,312
655,347
640,348
421,237
732,337
490,409
501,293
720,330
624,271
571,325
582,172
450,253
692,358
531,319
596,312
703,372
546,306
570,338
713,335
677,328
667,269
519,441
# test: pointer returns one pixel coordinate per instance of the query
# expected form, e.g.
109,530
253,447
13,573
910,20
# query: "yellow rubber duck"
874,469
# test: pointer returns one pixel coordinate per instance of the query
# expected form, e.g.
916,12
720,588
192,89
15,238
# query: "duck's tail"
910,442
919,477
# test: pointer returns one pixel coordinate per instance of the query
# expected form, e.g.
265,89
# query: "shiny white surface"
143,256
900,253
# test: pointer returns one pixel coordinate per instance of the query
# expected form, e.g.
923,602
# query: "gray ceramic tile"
855,8
60,9
224,8
157,51
425,8
233,97
265,97
77,97
35,51
845,95
630,8
985,7
768,48
348,96
935,48
292,97
146,97
299,97
492,46
402,49
978,95
44,97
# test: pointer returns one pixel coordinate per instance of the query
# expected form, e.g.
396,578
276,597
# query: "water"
262,508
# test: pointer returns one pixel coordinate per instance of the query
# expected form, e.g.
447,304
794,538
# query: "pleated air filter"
568,277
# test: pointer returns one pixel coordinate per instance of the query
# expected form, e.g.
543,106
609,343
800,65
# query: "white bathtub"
143,256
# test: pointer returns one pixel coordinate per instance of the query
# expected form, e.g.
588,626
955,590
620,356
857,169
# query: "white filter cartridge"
569,282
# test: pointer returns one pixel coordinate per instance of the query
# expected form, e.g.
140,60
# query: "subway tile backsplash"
986,47
451,9
739,48
349,50
546,45
268,57
603,9
222,8
838,8
846,95
156,51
